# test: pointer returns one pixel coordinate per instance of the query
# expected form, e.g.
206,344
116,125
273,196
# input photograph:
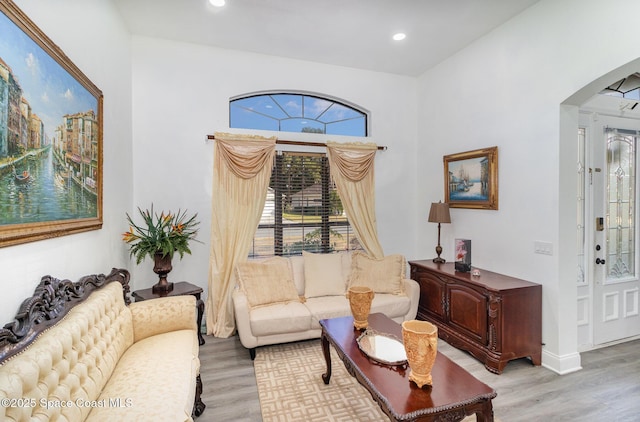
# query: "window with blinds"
303,210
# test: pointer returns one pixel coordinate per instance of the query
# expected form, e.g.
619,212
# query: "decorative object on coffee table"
421,345
439,213
160,237
382,347
463,255
360,298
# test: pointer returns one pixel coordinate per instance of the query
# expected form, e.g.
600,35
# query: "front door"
616,286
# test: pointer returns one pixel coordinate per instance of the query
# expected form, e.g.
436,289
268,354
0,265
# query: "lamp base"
438,260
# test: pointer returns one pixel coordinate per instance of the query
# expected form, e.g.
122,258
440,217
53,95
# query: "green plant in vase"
160,236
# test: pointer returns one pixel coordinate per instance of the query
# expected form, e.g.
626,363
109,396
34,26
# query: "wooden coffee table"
455,392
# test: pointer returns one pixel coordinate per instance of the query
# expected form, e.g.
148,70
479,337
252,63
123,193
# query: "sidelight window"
582,193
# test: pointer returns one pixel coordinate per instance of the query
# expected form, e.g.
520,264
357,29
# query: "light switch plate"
544,248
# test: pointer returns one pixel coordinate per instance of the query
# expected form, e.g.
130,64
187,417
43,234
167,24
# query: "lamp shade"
439,213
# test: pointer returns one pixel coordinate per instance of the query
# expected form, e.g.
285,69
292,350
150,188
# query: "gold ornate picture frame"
471,179
50,137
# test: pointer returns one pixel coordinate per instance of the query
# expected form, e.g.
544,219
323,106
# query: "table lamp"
439,213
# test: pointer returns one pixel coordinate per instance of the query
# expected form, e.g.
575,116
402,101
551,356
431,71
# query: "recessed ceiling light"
399,36
217,3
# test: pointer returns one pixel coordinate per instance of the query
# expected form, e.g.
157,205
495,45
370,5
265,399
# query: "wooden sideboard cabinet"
494,317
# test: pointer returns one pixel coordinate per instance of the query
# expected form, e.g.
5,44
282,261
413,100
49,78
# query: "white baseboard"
561,365
588,347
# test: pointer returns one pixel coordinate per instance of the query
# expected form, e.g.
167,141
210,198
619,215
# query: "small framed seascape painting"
471,179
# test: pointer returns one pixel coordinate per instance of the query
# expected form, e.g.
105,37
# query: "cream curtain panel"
242,168
351,166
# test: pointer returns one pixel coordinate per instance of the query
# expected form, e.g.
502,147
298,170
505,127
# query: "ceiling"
352,33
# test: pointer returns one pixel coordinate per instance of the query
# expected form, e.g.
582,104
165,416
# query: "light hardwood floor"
606,389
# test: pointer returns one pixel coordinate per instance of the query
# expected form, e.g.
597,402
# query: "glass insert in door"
621,197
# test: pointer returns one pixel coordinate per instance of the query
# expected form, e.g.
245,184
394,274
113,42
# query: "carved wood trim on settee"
51,301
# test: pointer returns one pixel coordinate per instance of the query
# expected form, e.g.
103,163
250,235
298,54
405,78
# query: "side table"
180,288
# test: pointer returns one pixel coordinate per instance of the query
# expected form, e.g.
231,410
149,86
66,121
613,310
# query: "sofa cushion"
323,274
346,266
381,275
326,307
391,305
279,319
297,267
163,314
267,282
138,391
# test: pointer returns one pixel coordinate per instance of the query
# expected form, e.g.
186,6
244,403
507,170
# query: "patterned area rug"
290,387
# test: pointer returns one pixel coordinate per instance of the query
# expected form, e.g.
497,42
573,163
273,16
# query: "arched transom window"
293,112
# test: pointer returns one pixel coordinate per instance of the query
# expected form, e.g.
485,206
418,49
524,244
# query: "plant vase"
162,267
360,299
420,340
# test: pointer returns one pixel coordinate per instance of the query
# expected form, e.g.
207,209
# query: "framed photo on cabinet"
50,137
471,179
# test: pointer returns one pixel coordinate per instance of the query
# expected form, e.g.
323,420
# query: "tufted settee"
80,352
281,300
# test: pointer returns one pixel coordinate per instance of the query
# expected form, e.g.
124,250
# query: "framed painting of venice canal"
471,179
50,137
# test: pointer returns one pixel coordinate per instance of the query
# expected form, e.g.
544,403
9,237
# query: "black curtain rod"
301,143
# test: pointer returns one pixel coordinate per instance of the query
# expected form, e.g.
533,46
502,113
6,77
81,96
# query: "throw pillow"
381,275
323,274
267,282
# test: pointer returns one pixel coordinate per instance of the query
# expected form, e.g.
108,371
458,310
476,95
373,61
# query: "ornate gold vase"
421,345
360,298
162,266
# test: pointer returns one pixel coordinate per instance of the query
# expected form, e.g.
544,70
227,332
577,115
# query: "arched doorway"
607,130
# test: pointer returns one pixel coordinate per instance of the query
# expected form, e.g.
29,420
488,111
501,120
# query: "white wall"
92,35
506,90
181,94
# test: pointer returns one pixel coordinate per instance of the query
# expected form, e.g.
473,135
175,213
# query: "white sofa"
321,282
